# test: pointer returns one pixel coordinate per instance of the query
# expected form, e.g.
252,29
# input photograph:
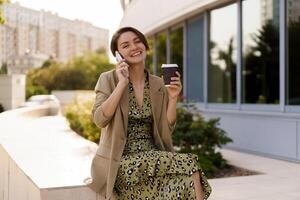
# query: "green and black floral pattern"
145,171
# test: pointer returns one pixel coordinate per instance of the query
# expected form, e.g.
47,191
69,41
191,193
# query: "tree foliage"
3,69
262,66
81,73
2,19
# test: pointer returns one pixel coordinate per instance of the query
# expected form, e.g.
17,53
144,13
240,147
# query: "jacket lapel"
124,103
156,98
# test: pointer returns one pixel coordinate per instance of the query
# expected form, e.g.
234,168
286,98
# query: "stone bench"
41,158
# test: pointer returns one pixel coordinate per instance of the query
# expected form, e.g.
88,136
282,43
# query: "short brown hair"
118,33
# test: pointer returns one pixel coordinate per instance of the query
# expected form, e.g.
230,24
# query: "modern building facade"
239,61
37,35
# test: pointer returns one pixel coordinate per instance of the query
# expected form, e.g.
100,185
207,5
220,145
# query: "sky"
101,13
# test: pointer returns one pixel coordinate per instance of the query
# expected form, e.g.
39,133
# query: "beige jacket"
106,162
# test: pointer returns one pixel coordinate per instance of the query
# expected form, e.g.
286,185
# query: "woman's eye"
124,47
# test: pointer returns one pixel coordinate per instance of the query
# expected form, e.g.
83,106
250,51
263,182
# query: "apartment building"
29,37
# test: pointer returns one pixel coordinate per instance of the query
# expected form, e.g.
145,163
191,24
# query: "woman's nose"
133,46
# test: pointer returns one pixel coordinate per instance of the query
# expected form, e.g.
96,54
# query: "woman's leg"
198,187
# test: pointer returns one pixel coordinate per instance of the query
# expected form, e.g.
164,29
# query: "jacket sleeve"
102,91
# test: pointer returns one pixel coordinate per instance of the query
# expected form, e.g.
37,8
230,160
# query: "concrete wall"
41,158
12,90
271,134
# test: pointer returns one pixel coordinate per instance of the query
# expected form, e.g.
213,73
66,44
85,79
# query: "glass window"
176,40
222,62
161,49
260,70
195,58
176,37
149,58
293,56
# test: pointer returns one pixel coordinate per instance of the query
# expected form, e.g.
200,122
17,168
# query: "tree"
2,20
262,65
81,73
229,75
3,69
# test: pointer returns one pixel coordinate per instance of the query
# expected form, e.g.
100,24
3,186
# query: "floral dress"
145,171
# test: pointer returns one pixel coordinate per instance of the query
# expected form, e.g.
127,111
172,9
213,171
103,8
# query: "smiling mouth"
136,54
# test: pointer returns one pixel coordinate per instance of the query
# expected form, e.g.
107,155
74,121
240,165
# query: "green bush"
35,90
194,134
3,69
1,108
78,114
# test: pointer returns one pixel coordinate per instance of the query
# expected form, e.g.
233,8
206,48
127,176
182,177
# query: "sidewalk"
280,180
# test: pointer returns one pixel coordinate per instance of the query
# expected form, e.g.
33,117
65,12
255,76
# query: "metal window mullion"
168,46
206,57
239,55
282,54
185,61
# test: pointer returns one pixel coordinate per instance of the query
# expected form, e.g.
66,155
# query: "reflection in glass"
176,37
222,65
161,49
293,73
149,58
260,70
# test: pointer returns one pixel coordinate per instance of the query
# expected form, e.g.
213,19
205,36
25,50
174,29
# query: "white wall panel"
150,16
274,136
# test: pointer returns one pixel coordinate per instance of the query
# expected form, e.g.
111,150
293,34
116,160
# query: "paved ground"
280,179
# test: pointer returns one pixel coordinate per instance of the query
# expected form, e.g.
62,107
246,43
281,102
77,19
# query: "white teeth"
138,53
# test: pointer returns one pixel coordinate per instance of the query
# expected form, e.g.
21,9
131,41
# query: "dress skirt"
146,172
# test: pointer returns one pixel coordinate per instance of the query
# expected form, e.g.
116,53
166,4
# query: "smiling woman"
137,113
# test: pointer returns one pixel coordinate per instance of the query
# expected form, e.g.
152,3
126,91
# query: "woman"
137,113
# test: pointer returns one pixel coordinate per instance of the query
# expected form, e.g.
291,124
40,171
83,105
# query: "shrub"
3,69
1,108
34,90
194,134
78,114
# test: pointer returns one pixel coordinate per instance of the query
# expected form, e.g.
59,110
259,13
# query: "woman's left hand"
175,87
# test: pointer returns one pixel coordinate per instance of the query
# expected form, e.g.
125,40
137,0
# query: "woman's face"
131,48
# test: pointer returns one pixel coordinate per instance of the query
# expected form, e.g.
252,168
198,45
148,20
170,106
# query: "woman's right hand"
122,72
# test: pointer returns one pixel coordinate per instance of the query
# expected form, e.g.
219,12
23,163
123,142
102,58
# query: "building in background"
31,37
239,61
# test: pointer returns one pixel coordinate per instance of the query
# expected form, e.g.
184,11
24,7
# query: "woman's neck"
136,73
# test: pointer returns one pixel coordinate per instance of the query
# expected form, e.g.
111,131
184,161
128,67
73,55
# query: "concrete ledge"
41,158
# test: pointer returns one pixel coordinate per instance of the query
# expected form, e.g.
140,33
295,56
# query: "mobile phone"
118,56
